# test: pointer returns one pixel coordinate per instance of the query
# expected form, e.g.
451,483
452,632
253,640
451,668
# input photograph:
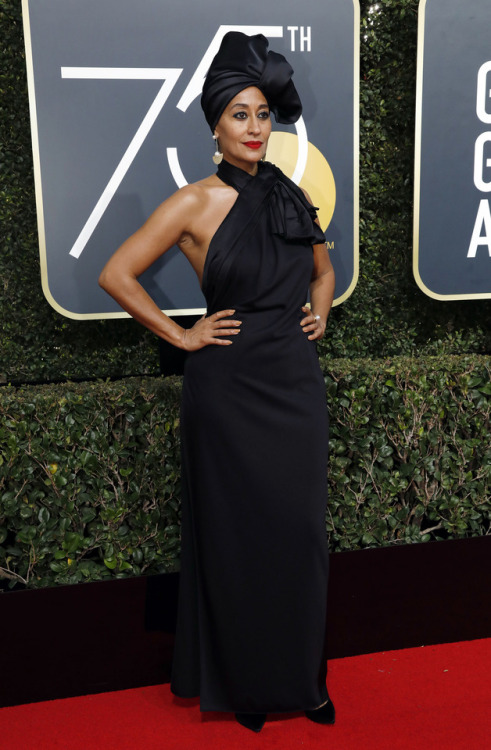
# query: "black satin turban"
244,61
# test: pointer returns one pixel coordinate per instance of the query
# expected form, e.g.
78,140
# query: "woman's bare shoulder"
196,194
306,195
183,212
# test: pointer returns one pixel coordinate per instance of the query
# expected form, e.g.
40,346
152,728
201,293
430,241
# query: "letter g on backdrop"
452,210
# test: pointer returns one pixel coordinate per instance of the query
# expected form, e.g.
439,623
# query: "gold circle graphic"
318,179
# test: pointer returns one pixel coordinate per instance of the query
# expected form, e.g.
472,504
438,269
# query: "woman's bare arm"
119,277
321,291
321,294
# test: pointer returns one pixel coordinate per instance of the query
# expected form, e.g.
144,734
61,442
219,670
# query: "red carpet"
432,697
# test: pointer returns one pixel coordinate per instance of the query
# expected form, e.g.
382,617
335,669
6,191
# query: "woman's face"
244,128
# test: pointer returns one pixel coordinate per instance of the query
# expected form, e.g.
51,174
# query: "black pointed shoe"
255,722
325,714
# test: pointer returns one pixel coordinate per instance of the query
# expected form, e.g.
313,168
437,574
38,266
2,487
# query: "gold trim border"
39,196
185,311
356,156
417,169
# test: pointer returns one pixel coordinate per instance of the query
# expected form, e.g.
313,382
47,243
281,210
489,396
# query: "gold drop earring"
217,156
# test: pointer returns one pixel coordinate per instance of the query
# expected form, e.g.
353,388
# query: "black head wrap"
244,61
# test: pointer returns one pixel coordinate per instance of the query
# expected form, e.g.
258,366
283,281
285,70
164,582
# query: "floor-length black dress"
254,563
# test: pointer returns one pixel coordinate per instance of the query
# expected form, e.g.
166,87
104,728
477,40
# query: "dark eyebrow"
246,106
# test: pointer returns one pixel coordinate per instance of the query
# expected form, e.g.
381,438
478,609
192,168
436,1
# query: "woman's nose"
254,126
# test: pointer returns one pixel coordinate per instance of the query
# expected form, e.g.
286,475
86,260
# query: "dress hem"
221,709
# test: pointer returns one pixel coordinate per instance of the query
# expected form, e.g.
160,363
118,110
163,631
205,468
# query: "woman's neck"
246,166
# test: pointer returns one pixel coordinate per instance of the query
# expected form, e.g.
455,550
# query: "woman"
252,603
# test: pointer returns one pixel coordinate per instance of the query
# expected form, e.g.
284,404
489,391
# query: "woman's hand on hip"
206,330
312,324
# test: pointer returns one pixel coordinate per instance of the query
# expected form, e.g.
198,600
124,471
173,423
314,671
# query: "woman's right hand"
206,330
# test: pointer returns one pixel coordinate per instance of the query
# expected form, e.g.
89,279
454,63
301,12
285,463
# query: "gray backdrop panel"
86,125
456,44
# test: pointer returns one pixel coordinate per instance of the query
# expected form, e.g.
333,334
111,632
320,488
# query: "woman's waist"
282,361
282,318
273,336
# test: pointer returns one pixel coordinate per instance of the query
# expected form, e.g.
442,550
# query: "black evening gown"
254,564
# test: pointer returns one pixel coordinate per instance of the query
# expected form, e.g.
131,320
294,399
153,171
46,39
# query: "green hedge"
410,450
89,473
387,314
89,480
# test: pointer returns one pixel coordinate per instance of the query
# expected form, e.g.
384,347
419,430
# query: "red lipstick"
253,144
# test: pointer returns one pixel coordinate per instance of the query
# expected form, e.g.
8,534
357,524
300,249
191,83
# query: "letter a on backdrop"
452,181
114,91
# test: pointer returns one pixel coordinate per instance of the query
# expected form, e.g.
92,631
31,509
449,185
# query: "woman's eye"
243,115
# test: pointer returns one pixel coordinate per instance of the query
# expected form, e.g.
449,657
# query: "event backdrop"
452,217
114,90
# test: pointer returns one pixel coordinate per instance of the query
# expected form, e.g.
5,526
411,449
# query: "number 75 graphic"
169,76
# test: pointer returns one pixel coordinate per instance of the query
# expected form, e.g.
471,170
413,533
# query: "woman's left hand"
312,324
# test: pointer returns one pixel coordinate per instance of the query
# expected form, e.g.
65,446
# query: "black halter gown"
254,564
